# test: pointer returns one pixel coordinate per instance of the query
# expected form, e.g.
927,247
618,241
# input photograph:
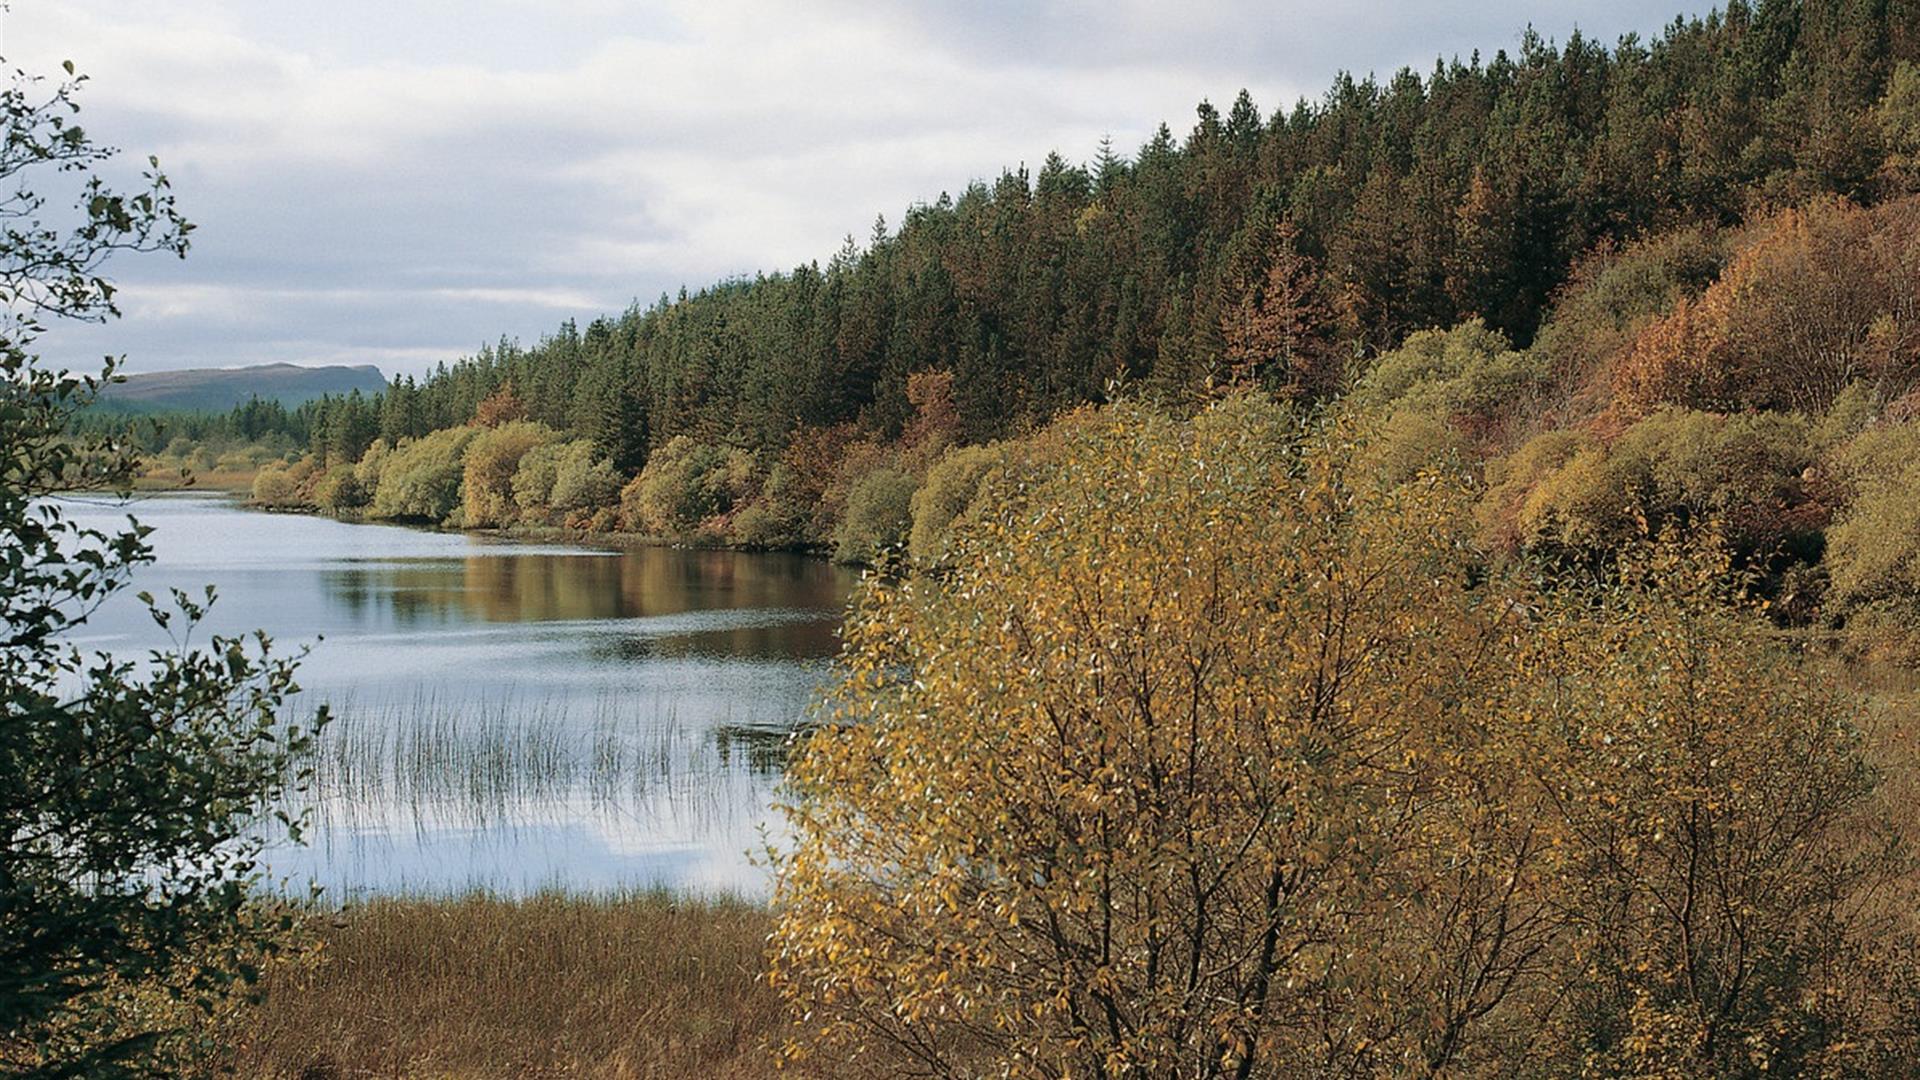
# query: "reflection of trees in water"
779,635
644,583
763,750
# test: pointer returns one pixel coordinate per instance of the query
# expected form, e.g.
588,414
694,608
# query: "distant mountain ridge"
220,389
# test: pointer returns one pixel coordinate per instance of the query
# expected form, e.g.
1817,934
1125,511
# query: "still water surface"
511,716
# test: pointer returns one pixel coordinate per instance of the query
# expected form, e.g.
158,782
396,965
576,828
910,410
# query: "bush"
1613,294
780,517
685,484
949,487
1674,468
582,480
492,460
420,480
1814,299
1511,513
879,514
287,485
1410,441
672,493
274,487
1873,549
756,526
339,491
1211,755
1468,375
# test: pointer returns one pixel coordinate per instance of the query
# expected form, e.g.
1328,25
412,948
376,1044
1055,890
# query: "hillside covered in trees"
1663,280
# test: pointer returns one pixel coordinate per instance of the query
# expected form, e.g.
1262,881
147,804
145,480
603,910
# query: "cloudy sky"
396,182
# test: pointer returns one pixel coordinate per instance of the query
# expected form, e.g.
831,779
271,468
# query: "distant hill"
220,389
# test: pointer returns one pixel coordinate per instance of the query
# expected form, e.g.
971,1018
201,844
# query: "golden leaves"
1205,747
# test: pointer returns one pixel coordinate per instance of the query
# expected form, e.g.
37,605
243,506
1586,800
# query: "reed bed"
482,762
634,986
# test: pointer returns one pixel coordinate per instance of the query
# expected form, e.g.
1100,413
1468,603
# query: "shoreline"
617,540
241,494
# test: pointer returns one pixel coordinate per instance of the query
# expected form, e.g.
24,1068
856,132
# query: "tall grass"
636,985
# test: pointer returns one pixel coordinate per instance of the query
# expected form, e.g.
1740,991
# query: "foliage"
1409,442
949,488
1468,375
1611,295
1873,549
278,487
339,491
492,463
879,516
582,479
1816,299
1209,755
1677,467
685,483
131,792
420,479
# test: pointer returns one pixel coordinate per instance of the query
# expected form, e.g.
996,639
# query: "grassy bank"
642,985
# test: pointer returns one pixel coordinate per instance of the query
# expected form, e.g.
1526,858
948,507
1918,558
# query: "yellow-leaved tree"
1206,754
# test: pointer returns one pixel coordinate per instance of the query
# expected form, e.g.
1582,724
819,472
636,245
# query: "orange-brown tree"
1277,325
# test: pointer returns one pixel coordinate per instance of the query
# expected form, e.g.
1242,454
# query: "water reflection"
513,716
505,587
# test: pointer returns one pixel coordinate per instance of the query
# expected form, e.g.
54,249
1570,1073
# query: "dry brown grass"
157,476
647,985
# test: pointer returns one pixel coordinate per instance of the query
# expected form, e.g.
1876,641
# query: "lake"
510,716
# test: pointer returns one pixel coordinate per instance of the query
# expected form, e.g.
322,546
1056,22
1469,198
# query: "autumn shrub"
1211,755
492,460
672,493
1873,548
1611,295
780,517
339,491
1676,467
562,479
684,484
1409,441
367,469
533,478
1469,376
1512,510
583,480
950,485
879,516
810,469
1725,861
274,486
420,480
1813,299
